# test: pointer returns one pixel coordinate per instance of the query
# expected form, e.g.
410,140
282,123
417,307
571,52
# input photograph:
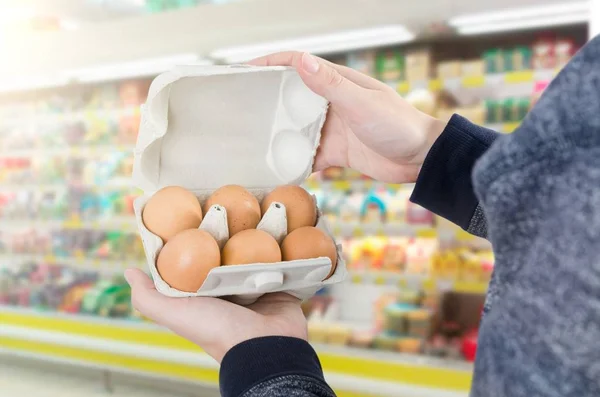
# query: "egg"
185,261
243,210
308,243
299,206
251,246
170,211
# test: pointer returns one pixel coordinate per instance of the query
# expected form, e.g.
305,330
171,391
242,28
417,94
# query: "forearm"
444,185
275,367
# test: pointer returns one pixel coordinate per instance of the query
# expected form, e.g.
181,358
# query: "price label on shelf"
358,232
427,233
49,258
357,279
524,76
436,85
403,87
380,280
473,81
341,185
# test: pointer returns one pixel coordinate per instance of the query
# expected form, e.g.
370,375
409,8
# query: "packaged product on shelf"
518,59
390,65
419,323
251,159
544,56
473,68
386,341
362,61
494,61
395,318
493,111
393,256
419,255
373,209
417,215
410,345
418,65
362,339
366,253
449,70
564,49
333,174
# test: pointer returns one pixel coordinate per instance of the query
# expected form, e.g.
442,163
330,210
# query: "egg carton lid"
204,127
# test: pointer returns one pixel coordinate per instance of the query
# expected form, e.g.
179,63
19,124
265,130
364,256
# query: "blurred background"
73,74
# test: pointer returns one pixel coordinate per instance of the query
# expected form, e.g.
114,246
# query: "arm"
444,184
275,367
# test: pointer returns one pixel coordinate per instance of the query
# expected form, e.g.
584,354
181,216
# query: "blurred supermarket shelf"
44,117
125,184
359,229
416,281
77,151
103,266
121,223
121,345
503,80
506,128
363,185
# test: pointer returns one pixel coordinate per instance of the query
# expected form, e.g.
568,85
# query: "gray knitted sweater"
538,192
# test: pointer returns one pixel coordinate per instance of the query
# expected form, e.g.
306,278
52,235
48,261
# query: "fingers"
340,85
294,59
144,297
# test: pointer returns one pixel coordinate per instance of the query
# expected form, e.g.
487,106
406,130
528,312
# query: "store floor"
25,377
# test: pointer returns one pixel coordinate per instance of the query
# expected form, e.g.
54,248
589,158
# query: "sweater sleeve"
273,366
444,184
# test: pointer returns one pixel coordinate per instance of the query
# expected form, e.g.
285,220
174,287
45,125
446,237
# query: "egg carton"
204,127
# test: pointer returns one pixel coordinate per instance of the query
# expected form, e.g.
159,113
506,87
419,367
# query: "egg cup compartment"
258,127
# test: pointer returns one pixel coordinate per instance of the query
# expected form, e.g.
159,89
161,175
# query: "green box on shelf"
390,65
494,61
493,111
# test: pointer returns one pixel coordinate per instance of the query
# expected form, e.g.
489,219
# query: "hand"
369,127
215,324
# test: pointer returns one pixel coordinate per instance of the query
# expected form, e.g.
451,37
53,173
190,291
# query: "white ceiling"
208,27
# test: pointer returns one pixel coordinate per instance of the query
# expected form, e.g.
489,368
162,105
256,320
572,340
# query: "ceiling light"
520,13
320,44
522,18
134,69
532,23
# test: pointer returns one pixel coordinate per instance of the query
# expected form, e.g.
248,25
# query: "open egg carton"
204,127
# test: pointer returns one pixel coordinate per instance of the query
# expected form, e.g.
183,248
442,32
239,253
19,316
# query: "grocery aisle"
22,377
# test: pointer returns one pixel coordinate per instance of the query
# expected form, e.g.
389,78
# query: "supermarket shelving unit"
141,348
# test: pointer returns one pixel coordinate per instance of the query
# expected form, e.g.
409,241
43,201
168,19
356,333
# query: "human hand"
369,127
215,324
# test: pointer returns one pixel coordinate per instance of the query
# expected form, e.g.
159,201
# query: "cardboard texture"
204,127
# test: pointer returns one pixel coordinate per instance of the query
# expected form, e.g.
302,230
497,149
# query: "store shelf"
359,229
121,223
143,347
77,151
418,282
63,117
103,266
489,80
506,128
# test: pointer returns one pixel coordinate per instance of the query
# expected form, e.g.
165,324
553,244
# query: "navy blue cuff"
444,184
258,360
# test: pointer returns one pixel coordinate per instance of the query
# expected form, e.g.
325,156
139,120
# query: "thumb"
327,82
144,297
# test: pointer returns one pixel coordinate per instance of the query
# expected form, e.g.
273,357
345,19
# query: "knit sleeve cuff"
444,184
258,360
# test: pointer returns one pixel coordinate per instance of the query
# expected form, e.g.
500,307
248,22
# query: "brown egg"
185,261
251,246
308,243
170,211
300,207
243,210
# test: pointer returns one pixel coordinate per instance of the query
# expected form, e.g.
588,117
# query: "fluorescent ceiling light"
521,13
320,44
522,18
134,69
525,24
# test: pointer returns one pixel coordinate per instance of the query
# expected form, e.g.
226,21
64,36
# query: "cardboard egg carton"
204,127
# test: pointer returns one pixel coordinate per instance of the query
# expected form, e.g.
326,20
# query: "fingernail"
310,63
